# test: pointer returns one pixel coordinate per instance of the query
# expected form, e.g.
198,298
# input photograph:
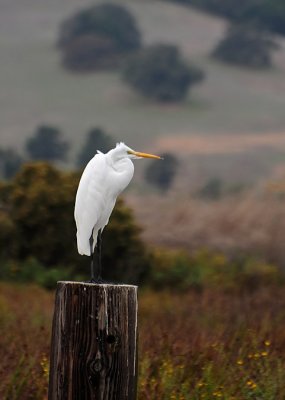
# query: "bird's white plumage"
104,178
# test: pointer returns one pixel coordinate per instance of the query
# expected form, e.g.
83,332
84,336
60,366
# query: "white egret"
103,179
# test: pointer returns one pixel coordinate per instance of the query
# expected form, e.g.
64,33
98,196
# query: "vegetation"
97,139
10,163
212,190
47,144
246,46
160,73
37,224
162,174
268,13
213,344
98,37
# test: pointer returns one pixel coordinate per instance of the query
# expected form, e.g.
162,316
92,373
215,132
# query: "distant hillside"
35,88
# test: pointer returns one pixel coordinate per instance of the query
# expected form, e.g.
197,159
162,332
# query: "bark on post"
94,342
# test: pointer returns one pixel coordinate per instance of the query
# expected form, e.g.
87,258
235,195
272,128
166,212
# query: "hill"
36,89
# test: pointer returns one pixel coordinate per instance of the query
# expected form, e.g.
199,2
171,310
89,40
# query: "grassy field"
35,89
197,345
251,222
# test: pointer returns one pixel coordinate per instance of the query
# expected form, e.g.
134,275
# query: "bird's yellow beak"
144,155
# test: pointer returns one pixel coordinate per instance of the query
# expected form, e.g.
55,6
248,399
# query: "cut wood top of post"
97,284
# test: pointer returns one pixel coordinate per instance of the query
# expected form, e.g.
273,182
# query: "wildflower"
251,384
267,343
264,354
45,365
217,394
239,362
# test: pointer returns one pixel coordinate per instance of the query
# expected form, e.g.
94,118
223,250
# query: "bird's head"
123,151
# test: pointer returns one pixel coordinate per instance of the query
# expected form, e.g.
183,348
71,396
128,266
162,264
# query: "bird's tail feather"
83,244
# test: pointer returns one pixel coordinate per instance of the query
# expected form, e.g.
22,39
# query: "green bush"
38,208
97,139
160,73
246,46
212,190
47,144
162,174
177,270
10,163
267,13
32,271
97,37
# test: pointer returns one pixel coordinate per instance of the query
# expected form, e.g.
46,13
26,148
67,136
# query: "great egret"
103,179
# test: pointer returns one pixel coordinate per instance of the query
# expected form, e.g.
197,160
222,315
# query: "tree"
37,214
47,144
162,174
247,46
268,13
159,72
10,162
97,139
272,15
97,37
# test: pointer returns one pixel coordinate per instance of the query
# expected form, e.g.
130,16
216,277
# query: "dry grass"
218,143
25,322
252,223
193,346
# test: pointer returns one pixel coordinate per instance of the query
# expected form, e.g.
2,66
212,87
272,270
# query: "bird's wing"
90,201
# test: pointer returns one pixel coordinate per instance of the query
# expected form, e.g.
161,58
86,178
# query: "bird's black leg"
91,241
99,256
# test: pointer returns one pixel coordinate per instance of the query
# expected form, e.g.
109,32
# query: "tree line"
48,144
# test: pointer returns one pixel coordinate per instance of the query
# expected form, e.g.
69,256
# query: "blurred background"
200,82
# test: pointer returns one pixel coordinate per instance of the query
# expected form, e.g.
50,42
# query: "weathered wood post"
94,342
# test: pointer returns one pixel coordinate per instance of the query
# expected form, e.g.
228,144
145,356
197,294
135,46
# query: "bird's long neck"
118,163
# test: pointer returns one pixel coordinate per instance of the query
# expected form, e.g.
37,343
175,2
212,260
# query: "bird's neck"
119,164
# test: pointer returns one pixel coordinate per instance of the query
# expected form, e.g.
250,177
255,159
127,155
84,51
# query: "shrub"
268,13
177,270
97,139
246,46
32,271
212,190
162,174
38,210
10,163
98,37
172,269
159,72
47,144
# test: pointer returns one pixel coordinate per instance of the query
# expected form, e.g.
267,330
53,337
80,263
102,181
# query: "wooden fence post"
94,342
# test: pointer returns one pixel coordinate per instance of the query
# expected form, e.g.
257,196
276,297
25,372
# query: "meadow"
199,344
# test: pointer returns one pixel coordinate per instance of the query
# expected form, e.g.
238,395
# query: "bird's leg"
99,256
91,241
